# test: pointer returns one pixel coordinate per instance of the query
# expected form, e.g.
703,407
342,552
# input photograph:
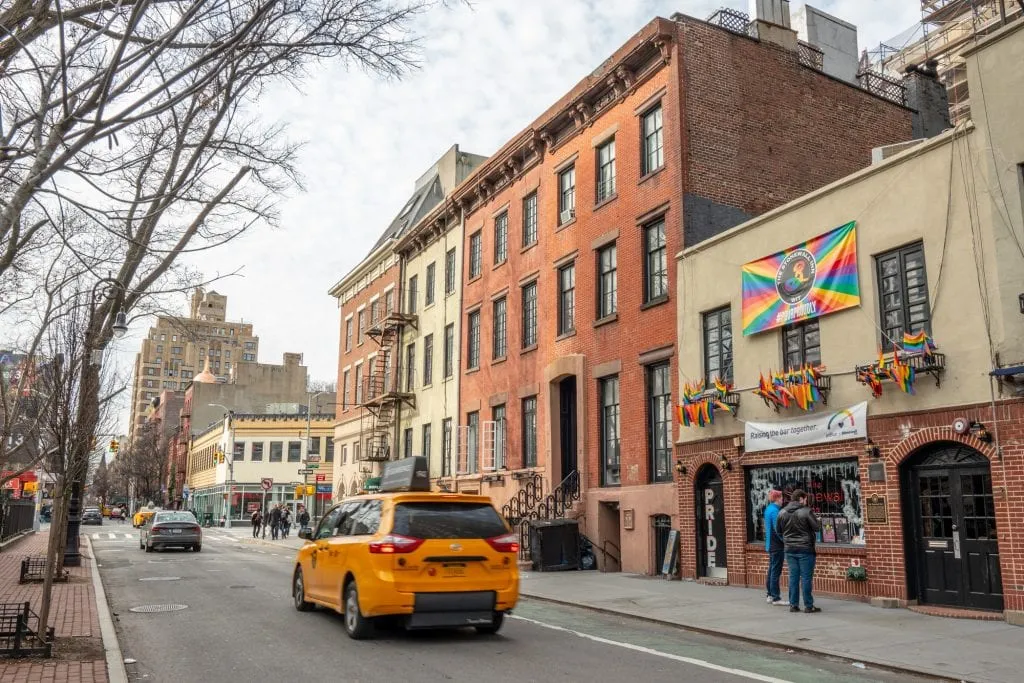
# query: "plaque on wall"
877,512
876,471
627,520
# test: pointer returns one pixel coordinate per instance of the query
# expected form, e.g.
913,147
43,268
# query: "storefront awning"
1008,371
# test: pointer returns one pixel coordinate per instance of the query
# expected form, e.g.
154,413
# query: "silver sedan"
171,529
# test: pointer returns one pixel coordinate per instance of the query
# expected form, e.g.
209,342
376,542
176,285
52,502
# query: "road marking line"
113,537
658,653
96,537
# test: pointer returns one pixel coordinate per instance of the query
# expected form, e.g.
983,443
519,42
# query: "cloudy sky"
487,72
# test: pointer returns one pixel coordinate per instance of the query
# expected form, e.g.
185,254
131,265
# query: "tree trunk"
54,556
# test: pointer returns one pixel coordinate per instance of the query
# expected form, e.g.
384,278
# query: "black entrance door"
567,424
710,506
955,544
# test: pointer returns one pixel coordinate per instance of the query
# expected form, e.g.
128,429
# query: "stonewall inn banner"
839,425
803,282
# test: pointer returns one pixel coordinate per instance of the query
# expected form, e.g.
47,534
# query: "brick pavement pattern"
73,614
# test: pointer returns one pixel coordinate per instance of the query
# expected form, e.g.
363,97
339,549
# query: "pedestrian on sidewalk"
799,529
257,522
303,517
286,522
275,522
776,548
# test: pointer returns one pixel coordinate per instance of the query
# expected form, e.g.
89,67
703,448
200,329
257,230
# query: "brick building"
569,337
921,491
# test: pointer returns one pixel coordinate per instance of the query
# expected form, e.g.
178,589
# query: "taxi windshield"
447,520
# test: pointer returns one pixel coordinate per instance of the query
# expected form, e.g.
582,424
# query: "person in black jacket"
799,529
303,517
275,522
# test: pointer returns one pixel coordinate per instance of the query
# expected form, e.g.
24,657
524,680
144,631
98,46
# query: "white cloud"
486,74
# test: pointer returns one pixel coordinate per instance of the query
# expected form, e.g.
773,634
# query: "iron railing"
552,506
16,517
19,632
810,56
530,492
883,86
731,20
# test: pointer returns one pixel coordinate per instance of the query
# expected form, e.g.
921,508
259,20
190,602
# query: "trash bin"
554,544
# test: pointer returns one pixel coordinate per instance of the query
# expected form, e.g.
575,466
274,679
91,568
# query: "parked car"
92,516
171,529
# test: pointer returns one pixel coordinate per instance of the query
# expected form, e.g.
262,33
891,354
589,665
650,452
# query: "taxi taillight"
506,543
395,544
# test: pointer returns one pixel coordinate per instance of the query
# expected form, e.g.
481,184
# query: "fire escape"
389,381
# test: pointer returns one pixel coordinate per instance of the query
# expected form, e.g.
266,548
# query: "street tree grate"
149,609
160,578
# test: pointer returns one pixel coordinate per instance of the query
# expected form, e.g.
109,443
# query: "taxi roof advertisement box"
407,474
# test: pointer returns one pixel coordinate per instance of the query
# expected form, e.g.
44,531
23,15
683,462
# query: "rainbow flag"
919,344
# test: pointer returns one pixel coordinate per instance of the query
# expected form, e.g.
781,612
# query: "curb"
846,657
14,540
116,672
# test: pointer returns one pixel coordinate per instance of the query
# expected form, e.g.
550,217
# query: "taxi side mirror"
306,533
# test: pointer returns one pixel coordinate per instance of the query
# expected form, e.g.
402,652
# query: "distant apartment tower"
177,347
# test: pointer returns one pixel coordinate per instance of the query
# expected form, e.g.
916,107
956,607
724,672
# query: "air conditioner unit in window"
566,216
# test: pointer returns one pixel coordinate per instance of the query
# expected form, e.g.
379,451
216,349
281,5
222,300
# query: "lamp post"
104,290
229,459
309,419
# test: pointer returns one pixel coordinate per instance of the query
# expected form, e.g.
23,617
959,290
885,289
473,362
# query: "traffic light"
114,445
299,490
310,489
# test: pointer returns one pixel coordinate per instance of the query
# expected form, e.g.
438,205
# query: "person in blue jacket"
776,548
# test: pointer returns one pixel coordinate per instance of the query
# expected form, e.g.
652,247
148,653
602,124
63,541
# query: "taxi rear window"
448,520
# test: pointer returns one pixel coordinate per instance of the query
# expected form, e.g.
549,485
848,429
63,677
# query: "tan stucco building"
923,499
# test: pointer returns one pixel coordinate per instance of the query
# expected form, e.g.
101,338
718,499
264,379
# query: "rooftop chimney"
771,20
836,39
927,96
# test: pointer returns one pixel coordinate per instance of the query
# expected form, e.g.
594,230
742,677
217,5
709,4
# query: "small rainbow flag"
919,344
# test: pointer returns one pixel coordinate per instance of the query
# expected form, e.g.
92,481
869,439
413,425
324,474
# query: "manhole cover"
160,578
241,586
158,608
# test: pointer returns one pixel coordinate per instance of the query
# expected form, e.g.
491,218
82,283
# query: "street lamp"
230,459
106,289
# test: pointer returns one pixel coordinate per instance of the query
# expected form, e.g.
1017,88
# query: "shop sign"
806,281
839,425
324,488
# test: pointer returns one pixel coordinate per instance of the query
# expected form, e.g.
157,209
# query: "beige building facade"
920,498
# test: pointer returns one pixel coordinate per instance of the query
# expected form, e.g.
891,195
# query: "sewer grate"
160,578
148,609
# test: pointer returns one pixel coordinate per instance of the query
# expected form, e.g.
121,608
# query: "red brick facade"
898,437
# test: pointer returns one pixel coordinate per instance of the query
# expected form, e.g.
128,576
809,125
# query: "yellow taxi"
141,517
438,560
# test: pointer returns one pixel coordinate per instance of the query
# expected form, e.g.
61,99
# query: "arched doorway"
952,547
710,523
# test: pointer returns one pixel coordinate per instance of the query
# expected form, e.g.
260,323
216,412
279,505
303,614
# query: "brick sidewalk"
78,653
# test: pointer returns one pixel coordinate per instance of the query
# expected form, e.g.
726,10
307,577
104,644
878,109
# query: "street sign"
312,458
306,471
321,477
324,488
266,483
313,465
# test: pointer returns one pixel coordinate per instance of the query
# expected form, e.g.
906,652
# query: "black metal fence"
15,517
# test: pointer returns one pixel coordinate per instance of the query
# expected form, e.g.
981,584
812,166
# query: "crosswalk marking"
112,537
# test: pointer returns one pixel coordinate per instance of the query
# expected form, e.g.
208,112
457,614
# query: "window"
501,238
475,254
249,346
359,384
257,452
294,451
344,390
446,447
276,449
472,441
413,282
447,520
328,449
610,454
176,350
608,282
833,492
428,360
473,341
407,442
425,446
655,262
355,452
238,450
449,350
529,309
653,155
566,299
389,305
428,289
606,170
449,272
659,416
530,431
718,345
903,293
498,415
530,219
801,345
567,195
313,448
361,327
499,341
410,367
348,334
344,454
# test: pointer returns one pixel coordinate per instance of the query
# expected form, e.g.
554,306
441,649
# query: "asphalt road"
238,624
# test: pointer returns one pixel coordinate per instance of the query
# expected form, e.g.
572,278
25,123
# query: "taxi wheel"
357,626
299,593
499,619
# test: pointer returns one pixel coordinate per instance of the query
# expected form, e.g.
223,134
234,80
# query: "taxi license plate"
175,531
454,572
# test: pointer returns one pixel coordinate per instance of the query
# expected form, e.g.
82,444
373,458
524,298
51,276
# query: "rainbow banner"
803,282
